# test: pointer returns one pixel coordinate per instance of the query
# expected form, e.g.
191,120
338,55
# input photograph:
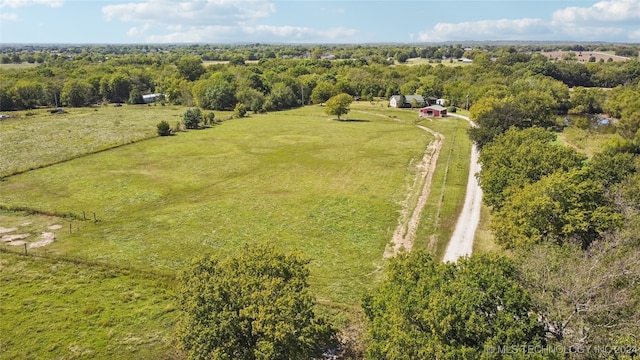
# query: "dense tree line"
271,77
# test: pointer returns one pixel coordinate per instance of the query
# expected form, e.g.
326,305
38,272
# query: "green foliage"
587,100
135,97
338,105
520,157
255,305
164,129
426,310
322,92
190,67
215,94
210,118
76,93
561,207
192,118
240,111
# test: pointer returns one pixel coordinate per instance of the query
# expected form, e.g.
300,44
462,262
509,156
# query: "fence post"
84,215
25,249
94,218
70,228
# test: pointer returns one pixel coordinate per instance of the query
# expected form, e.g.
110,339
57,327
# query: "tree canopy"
425,309
255,305
338,105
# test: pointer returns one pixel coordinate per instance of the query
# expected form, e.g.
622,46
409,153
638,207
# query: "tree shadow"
353,120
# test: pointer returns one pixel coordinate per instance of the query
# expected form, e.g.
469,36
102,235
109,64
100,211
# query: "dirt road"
461,243
405,232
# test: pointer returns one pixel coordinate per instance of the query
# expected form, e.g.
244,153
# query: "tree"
338,105
425,309
520,157
192,118
255,305
215,94
561,207
135,97
323,92
190,67
76,93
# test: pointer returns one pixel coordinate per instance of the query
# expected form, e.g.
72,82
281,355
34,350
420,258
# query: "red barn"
433,111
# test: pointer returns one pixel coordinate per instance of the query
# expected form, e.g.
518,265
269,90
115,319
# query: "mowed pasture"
298,180
34,138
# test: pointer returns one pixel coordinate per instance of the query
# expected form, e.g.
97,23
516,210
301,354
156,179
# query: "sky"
314,21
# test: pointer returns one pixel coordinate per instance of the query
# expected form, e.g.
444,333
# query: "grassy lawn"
59,310
586,142
298,180
39,138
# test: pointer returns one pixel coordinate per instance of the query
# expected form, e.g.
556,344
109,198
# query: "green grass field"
296,179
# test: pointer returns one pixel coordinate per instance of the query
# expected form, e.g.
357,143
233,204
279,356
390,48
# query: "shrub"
452,109
164,129
192,118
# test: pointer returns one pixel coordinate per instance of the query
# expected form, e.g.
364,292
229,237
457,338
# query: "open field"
61,310
584,141
295,179
583,56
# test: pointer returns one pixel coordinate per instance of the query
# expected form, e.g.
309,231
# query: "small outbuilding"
150,98
433,111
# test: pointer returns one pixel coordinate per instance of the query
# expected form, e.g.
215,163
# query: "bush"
452,109
210,118
164,129
192,118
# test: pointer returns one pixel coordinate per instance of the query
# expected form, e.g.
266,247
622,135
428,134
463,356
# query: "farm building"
150,98
406,101
433,111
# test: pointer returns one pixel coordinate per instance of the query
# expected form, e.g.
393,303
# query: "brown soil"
405,232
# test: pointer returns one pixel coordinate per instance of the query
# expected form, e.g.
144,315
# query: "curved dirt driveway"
461,243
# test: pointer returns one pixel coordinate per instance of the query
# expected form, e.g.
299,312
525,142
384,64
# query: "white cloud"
14,4
209,12
503,29
613,11
213,21
247,33
602,21
9,17
634,36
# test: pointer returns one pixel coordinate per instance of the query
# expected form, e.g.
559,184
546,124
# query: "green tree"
192,118
76,93
561,207
135,97
28,93
255,305
520,157
190,67
215,94
323,92
338,105
425,309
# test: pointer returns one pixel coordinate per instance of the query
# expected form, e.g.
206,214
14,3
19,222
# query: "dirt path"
461,243
405,232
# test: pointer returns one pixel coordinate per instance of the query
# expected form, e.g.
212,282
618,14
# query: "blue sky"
309,21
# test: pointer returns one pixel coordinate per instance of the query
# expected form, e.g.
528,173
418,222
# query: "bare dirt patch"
4,230
54,227
14,237
46,239
405,232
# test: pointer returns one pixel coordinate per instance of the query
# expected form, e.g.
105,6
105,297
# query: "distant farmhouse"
407,101
150,98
